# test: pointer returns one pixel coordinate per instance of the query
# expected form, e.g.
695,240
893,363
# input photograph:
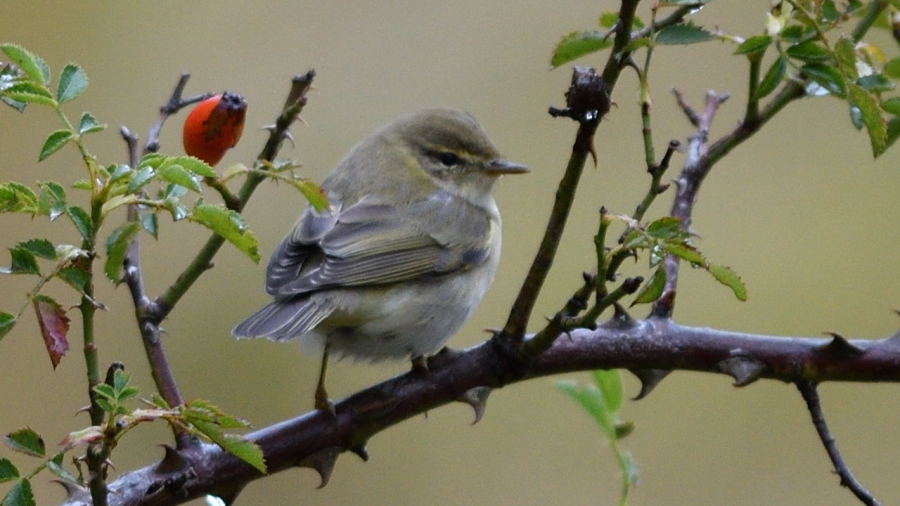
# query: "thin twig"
811,396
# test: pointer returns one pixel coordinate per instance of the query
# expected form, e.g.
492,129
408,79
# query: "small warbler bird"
403,254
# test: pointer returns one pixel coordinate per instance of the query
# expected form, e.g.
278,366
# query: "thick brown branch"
649,344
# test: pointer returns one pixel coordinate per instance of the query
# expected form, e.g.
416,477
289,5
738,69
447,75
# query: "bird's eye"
448,159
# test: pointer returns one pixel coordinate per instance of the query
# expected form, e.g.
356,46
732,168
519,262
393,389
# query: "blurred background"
801,211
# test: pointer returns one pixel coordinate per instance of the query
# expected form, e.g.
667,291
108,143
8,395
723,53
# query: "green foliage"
228,224
26,441
602,400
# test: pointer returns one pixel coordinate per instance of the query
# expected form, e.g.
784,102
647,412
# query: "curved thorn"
744,370
477,398
322,462
650,378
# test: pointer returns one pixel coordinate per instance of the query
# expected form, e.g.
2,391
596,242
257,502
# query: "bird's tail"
285,319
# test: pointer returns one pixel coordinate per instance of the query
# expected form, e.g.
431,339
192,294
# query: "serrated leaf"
795,33
685,252
845,54
23,262
88,124
312,192
608,19
772,79
652,289
610,384
25,60
82,221
105,391
754,45
54,142
664,228
578,44
153,160
827,77
140,178
238,446
229,225
15,197
74,276
72,82
29,92
683,33
26,441
892,68
54,326
191,164
116,245
589,398
178,175
52,199
8,471
118,201
82,184
892,106
729,278
55,467
120,380
150,223
7,322
871,118
809,52
20,494
39,247
636,239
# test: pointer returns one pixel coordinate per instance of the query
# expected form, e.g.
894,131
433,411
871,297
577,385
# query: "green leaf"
637,239
88,124
624,429
578,44
608,19
55,467
15,197
8,471
39,247
772,79
20,494
795,33
54,142
116,202
893,126
892,68
7,322
116,245
730,279
229,225
652,289
754,45
150,223
178,175
26,441
685,252
29,92
52,199
827,77
590,399
140,178
312,192
876,83
809,52
23,262
244,449
664,228
191,164
105,391
871,118
845,53
683,33
82,221
72,82
74,276
610,384
25,60
634,45
892,106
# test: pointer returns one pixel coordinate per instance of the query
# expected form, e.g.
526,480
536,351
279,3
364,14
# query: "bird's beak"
499,167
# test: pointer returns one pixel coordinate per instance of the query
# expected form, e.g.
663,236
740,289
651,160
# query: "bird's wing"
373,243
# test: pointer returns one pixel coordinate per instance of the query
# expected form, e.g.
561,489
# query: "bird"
403,253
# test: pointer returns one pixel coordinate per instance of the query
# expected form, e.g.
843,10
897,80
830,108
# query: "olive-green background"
801,212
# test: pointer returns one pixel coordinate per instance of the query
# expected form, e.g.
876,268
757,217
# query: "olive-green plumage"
405,252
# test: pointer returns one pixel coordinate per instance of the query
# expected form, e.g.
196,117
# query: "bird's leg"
323,403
